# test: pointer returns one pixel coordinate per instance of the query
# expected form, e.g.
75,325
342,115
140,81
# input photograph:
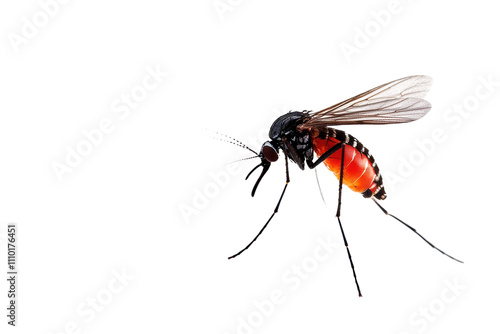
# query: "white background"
234,71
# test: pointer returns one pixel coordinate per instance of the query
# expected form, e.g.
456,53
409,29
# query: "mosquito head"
268,153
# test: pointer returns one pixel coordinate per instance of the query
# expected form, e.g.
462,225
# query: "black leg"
415,231
338,218
312,165
275,210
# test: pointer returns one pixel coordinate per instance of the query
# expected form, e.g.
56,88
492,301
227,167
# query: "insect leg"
311,165
319,186
413,229
275,210
338,218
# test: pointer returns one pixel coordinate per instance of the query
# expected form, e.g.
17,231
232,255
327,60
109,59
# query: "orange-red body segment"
359,174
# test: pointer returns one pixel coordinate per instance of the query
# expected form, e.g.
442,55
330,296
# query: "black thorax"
296,145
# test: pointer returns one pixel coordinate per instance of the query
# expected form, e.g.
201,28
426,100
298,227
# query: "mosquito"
303,134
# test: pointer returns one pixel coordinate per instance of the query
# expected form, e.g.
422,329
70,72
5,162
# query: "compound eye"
269,152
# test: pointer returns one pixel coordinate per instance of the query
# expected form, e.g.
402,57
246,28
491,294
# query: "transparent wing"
398,101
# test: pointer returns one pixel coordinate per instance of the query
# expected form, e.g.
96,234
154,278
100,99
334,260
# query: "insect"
301,134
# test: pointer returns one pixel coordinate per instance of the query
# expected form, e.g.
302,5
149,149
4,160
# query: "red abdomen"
359,173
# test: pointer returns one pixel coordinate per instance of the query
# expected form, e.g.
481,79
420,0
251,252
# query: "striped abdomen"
361,172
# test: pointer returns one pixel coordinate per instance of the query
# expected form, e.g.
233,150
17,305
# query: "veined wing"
398,101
